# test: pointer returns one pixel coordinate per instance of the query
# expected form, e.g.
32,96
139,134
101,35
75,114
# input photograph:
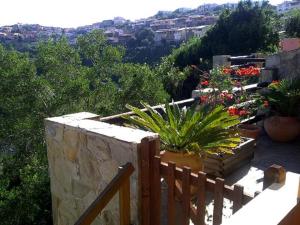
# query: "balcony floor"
250,176
266,154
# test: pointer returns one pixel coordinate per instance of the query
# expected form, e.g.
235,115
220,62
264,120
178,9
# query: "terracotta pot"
249,130
281,128
194,161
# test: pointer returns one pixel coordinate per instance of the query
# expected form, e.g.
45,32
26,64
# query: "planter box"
222,165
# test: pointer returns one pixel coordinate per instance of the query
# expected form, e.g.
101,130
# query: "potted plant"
188,134
249,130
282,98
226,87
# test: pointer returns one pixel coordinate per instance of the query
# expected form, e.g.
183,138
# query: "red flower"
243,112
233,111
226,95
203,98
250,71
204,83
226,71
266,104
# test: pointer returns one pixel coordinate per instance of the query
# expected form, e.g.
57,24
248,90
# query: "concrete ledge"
271,206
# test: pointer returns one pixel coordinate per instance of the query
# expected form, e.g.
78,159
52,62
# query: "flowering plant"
282,98
226,86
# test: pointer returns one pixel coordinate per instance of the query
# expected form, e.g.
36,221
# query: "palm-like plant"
189,130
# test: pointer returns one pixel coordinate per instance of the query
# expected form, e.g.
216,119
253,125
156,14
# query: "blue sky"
73,13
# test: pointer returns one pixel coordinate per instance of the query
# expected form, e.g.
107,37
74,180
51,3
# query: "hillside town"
171,27
117,30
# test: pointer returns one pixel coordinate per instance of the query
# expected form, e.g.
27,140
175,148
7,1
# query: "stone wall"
284,64
84,156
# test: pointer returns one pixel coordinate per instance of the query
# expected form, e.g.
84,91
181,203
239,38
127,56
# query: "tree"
139,83
251,27
292,26
61,79
24,182
59,69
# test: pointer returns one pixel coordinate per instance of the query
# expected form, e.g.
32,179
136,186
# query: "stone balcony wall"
84,156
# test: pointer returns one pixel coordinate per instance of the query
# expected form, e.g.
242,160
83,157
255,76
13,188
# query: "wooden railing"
179,183
121,183
174,175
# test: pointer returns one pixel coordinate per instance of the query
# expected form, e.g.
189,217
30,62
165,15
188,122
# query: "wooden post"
145,181
218,201
186,195
155,205
156,193
118,183
201,198
150,182
237,197
274,174
171,193
124,203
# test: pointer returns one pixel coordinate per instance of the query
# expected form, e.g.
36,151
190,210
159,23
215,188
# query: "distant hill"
24,37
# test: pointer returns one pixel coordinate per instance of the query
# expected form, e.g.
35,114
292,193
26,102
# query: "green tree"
251,27
138,83
24,181
292,26
61,79
59,69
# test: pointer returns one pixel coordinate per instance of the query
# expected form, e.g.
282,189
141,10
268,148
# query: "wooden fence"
179,183
121,183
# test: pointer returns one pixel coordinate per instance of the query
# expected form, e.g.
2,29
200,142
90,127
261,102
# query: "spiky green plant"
284,97
189,130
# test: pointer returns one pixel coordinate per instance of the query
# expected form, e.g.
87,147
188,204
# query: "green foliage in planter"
189,129
284,97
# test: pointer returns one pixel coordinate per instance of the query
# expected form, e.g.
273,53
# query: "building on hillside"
230,6
164,35
162,24
107,23
199,31
177,35
288,5
206,8
194,21
180,22
2,34
125,38
140,24
119,21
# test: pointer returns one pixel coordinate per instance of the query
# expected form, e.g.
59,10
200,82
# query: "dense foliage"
61,79
283,98
143,49
292,26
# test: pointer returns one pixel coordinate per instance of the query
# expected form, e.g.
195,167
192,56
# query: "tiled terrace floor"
250,176
267,153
